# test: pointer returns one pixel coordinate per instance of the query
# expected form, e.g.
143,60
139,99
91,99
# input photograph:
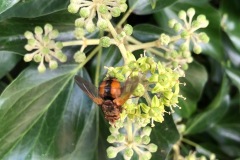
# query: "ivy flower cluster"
157,81
88,10
186,35
137,139
132,133
43,48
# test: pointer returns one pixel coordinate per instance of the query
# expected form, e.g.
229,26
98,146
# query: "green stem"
134,41
98,64
119,43
85,42
190,142
129,131
126,15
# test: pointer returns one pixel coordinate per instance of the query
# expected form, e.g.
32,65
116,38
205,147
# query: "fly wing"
128,88
89,89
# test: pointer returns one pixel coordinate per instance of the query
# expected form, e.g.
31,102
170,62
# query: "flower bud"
90,26
48,27
53,64
80,22
152,147
123,7
28,57
128,152
102,9
102,24
203,37
177,27
38,30
147,131
128,29
182,15
111,139
84,12
37,58
191,12
54,34
115,12
145,139
111,152
73,8
197,49
105,41
120,137
171,23
79,33
79,57
41,68
28,35
137,139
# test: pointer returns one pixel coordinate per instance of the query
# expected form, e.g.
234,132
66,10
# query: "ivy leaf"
34,8
5,5
214,112
234,75
164,135
46,116
143,7
7,61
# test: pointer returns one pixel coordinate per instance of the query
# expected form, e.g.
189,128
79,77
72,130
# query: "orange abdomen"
110,89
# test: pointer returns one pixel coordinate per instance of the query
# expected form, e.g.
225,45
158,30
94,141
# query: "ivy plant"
184,59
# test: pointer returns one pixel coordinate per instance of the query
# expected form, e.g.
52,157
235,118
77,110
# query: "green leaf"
215,47
230,11
5,5
146,32
143,7
164,135
7,61
48,117
34,8
213,113
195,79
234,75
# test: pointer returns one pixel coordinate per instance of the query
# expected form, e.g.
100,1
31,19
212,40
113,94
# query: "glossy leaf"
146,32
164,135
234,75
230,20
7,61
214,112
47,116
5,5
34,8
195,79
227,132
143,7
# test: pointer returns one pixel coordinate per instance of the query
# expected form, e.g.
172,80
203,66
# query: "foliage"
46,116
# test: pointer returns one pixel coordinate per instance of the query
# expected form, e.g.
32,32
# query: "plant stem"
119,43
85,42
129,131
